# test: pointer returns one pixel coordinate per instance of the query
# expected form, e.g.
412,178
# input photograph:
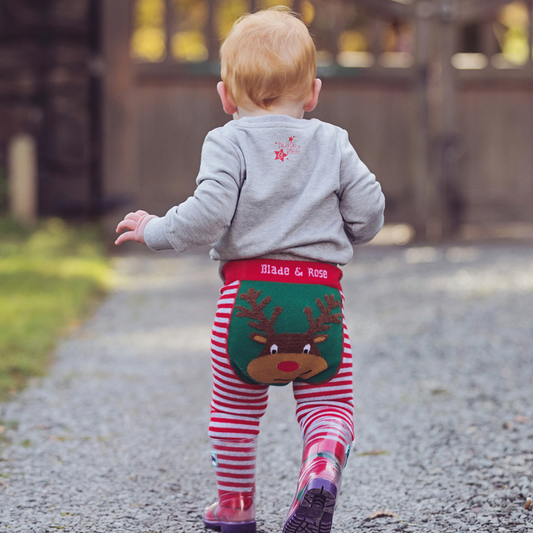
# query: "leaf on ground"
528,504
373,452
381,514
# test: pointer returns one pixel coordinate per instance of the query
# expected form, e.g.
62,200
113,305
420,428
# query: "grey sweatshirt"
275,186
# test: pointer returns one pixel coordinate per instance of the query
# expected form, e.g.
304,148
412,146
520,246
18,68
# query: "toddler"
283,199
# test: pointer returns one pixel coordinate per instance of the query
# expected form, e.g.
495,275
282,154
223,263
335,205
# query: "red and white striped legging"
237,407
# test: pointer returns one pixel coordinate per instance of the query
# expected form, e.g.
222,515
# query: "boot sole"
314,513
231,527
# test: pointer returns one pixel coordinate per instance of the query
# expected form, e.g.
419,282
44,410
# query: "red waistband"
309,272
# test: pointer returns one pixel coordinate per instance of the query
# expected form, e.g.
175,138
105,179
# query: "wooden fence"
447,132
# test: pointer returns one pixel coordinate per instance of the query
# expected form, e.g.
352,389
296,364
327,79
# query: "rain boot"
319,484
234,511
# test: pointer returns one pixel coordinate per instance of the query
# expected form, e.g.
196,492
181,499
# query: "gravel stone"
115,438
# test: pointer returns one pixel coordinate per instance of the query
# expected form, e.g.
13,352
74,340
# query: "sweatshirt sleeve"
205,216
361,200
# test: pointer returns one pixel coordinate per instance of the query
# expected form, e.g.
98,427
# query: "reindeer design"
287,356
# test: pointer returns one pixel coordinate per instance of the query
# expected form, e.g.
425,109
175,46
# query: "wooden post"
489,43
530,43
443,200
297,6
22,177
213,42
377,27
118,147
170,28
448,142
420,122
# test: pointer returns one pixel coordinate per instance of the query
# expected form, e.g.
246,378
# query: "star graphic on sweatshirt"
280,154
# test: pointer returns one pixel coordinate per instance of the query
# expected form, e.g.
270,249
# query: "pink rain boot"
234,511
324,457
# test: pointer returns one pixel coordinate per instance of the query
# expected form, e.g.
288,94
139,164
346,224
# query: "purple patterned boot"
319,484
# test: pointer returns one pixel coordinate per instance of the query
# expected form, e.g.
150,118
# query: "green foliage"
49,279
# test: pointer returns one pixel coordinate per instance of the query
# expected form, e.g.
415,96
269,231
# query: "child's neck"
289,108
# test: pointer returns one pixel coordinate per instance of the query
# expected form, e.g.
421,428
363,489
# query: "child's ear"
312,98
229,107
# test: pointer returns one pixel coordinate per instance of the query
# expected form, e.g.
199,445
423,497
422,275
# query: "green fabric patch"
288,343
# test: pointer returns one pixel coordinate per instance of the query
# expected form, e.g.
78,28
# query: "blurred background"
104,105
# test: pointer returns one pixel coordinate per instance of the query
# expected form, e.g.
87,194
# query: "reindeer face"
286,356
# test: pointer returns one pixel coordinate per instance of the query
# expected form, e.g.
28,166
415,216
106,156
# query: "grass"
50,278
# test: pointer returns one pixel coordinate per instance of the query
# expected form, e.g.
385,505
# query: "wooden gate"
435,98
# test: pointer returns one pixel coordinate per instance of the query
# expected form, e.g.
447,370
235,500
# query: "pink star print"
280,155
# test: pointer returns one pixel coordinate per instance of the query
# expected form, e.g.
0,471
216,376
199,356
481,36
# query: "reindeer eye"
274,348
307,348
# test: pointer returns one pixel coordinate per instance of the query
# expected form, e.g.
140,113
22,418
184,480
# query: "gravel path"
115,438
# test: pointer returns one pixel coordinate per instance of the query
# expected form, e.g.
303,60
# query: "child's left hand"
135,223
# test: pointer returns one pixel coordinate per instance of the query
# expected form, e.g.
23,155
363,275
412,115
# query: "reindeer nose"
288,366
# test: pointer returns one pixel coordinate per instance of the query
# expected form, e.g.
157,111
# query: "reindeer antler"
256,312
320,324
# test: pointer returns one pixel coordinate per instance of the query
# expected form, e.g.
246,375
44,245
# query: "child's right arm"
204,217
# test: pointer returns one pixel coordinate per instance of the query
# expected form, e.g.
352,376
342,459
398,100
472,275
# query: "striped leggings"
237,407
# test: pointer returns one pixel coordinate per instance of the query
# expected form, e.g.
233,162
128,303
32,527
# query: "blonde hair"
267,55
